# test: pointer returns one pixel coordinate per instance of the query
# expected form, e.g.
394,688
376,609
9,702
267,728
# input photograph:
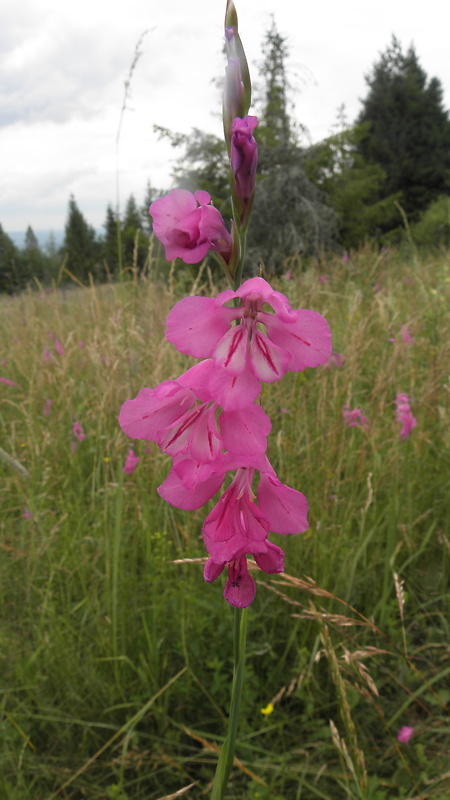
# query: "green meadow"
116,657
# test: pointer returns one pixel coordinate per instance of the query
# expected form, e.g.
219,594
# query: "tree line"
360,182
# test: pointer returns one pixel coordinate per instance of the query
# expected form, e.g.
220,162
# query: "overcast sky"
63,67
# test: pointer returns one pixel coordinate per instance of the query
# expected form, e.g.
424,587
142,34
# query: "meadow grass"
116,656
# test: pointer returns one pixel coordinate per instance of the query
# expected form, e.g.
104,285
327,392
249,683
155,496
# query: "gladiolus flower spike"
208,422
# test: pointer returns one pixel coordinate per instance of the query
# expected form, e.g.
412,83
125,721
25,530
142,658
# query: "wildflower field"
116,656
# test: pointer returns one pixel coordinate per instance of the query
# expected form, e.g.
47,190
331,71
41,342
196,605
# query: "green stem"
226,757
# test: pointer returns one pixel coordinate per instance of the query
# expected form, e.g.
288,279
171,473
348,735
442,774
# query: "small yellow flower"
267,710
106,459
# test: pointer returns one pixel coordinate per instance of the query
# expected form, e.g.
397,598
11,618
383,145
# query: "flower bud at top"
238,89
244,157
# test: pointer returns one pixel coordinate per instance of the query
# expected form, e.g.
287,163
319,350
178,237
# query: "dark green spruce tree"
11,272
110,243
81,246
408,129
36,265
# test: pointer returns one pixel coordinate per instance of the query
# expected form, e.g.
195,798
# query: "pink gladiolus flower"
59,348
244,156
354,418
7,382
171,416
404,415
240,588
78,431
237,527
131,462
189,227
404,734
202,327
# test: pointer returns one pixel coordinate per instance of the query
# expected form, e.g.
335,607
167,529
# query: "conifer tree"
11,277
110,242
80,244
35,263
408,132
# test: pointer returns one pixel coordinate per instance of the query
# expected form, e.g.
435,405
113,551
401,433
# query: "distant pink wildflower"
405,733
188,226
344,258
354,418
406,336
81,345
47,407
322,279
131,462
335,360
288,275
59,348
78,431
7,382
404,415
27,514
47,355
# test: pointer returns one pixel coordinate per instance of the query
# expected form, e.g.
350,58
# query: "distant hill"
42,236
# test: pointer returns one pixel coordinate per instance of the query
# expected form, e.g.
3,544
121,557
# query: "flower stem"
226,757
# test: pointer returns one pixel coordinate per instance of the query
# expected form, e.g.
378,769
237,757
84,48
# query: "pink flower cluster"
404,415
209,423
354,418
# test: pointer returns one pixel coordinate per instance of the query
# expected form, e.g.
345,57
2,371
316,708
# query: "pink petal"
245,430
234,391
240,588
154,409
286,509
307,339
269,362
232,351
258,287
212,570
203,198
173,491
168,210
196,324
272,560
